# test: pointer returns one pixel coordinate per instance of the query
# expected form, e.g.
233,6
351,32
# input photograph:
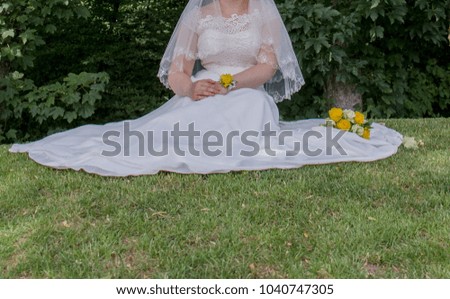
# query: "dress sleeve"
185,52
267,53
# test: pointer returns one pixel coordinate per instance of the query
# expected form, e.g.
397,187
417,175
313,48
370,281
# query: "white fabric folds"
227,136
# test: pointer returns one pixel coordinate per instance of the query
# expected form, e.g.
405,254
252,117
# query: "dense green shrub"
124,38
51,106
395,51
22,103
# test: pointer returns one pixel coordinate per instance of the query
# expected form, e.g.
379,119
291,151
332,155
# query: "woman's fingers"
207,88
220,89
207,91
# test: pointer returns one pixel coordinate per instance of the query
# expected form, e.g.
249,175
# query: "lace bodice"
234,41
230,42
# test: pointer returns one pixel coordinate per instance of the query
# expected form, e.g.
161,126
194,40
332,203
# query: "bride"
229,62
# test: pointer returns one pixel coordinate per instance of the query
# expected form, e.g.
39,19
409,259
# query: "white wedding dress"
128,148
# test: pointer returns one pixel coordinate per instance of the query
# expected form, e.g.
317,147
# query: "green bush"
395,51
31,111
126,39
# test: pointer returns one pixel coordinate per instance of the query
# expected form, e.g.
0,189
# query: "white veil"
183,45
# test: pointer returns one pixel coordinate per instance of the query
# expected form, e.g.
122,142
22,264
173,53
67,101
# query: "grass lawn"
384,219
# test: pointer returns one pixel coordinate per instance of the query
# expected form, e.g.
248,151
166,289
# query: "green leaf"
82,12
50,28
17,52
373,15
8,33
70,116
375,4
5,7
11,134
98,87
308,44
56,112
22,19
27,35
72,98
27,62
317,47
16,75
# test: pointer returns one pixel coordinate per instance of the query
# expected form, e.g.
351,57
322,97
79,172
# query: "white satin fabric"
245,110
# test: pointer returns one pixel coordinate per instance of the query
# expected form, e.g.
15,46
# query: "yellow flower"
366,134
359,118
344,124
336,114
226,80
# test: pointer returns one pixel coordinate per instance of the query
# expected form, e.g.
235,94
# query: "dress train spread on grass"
237,131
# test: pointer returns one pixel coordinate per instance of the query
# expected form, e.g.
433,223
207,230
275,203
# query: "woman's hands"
206,88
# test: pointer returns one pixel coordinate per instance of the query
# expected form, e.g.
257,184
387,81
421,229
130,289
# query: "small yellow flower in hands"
226,80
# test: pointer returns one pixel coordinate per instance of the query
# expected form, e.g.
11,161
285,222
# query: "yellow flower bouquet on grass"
349,120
